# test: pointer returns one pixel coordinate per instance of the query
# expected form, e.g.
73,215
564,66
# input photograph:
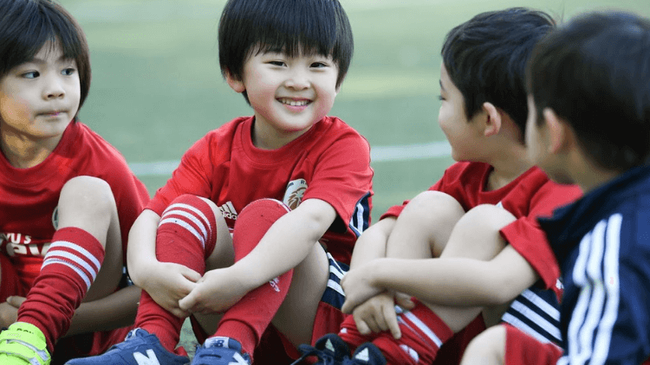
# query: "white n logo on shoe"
240,360
150,359
363,355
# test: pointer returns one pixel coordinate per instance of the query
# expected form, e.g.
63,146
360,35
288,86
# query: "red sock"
186,235
423,332
247,319
351,335
69,268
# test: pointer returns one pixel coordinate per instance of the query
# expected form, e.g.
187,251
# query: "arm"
371,244
284,246
451,281
141,251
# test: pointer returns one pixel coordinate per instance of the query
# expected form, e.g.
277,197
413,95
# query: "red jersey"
530,195
29,197
330,162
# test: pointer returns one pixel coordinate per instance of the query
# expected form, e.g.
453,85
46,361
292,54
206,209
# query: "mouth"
294,102
52,114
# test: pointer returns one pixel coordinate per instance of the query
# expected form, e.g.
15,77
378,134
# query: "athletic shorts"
87,344
523,349
328,315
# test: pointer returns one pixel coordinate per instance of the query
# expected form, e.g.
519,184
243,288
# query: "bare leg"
423,228
476,235
488,348
88,203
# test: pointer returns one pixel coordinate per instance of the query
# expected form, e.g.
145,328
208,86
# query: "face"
288,94
39,98
462,134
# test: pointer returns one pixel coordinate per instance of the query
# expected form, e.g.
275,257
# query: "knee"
87,195
432,206
487,217
489,347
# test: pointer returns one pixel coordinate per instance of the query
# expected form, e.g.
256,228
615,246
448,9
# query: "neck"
268,138
24,153
589,178
508,165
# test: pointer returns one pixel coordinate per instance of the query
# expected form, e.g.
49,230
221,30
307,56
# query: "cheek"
13,109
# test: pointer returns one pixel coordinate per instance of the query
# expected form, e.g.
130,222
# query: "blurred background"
157,86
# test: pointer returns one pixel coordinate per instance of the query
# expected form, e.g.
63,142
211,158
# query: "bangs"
292,27
27,25
31,30
283,28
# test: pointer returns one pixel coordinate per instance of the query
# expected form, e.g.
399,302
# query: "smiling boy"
286,182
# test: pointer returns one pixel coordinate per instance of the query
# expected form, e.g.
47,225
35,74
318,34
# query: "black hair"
288,26
486,58
594,73
26,25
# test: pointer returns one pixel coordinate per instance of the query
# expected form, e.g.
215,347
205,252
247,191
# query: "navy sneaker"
139,348
330,350
366,354
220,351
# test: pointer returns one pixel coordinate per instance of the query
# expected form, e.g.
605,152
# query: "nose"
53,87
298,80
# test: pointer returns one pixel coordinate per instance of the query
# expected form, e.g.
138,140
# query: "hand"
215,292
378,313
167,283
9,310
358,288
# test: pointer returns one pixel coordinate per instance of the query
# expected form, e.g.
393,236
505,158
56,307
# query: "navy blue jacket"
602,243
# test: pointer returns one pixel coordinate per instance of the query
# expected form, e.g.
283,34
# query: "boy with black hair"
587,75
471,243
286,182
67,197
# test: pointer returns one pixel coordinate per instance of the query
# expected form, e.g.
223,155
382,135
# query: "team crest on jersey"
55,218
294,193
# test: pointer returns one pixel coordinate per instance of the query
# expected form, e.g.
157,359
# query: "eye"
319,65
277,63
441,98
30,74
68,71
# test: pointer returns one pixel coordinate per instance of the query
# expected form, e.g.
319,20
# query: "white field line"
377,154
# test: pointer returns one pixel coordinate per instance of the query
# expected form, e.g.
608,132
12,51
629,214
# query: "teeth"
294,102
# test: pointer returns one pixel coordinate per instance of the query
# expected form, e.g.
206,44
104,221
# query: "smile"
294,102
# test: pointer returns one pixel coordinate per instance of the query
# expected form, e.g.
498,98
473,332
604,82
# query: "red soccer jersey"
29,197
330,162
529,196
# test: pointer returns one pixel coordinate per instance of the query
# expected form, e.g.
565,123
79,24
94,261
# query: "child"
67,198
290,170
587,74
479,219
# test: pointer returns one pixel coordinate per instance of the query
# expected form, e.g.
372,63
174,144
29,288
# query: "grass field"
157,87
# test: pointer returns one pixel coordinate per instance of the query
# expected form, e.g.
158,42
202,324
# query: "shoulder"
336,128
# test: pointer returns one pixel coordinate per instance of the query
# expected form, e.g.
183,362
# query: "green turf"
157,88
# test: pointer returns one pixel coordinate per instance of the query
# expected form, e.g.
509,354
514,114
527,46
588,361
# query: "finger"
381,321
362,327
15,301
372,324
349,305
191,275
189,302
404,301
391,320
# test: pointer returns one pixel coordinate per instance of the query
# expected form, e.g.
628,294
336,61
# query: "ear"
560,135
493,121
234,83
